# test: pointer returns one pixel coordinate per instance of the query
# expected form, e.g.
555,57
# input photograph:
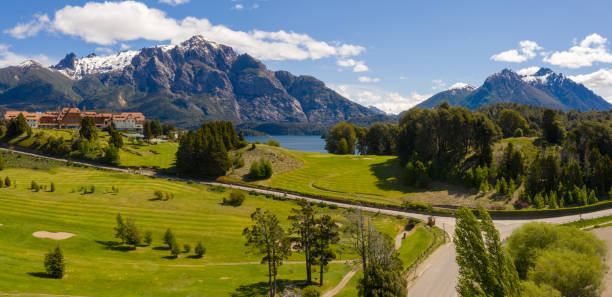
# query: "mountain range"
186,84
543,88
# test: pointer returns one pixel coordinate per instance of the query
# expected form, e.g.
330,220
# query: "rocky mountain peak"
67,62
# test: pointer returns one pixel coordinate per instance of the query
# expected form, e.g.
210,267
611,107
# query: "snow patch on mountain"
542,79
93,64
461,86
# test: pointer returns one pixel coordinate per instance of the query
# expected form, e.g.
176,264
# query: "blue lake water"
314,143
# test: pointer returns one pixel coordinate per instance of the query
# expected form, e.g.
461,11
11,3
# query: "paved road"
437,276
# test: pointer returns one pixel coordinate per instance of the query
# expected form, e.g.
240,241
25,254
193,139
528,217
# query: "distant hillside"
186,84
543,88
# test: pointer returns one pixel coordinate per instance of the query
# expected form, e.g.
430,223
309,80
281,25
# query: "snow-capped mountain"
78,68
538,87
452,95
187,83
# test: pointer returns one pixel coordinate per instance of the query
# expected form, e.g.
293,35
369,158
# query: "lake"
304,143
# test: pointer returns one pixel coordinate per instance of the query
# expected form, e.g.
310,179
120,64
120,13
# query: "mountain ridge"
186,84
543,88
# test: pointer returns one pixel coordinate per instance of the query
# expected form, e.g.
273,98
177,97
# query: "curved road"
435,277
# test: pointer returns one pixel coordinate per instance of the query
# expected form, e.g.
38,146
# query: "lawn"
95,267
590,222
161,155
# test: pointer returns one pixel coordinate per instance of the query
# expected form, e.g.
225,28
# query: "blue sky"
390,54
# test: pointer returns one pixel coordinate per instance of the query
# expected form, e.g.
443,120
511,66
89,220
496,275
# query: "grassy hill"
97,267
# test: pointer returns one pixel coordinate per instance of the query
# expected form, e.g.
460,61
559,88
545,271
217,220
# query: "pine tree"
121,229
592,197
7,182
54,263
52,187
199,250
169,238
303,225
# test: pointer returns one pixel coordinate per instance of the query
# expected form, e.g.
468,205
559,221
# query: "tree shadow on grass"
194,257
161,248
391,176
170,257
262,288
115,246
40,274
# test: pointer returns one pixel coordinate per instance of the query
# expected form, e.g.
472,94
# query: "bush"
174,249
261,169
169,237
2,162
416,174
54,263
7,182
418,206
236,198
199,250
52,188
148,238
273,142
186,248
159,195
311,291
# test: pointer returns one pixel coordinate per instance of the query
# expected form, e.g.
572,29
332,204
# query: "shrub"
92,189
148,238
159,195
186,248
52,189
174,249
199,250
33,185
2,162
169,237
236,198
261,169
1,183
7,182
311,291
416,174
418,206
54,263
273,142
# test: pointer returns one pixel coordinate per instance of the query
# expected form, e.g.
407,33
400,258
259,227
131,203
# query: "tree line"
572,165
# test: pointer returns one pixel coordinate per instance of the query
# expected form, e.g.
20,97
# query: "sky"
388,54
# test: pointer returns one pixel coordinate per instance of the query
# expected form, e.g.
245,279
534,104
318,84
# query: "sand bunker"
53,235
1,225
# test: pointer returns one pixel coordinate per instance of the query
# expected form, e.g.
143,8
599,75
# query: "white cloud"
591,49
255,6
528,71
238,7
8,58
174,2
107,23
599,81
367,79
527,50
390,102
358,66
125,46
104,50
403,78
31,28
438,84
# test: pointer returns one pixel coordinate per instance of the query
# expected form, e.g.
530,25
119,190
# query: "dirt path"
338,288
400,237
605,234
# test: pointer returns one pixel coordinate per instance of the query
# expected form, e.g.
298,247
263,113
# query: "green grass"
590,222
161,155
415,244
95,269
350,290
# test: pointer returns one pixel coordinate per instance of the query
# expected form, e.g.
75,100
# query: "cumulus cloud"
174,2
528,71
107,23
367,79
358,66
38,23
389,102
238,7
527,50
8,58
125,46
599,81
591,49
